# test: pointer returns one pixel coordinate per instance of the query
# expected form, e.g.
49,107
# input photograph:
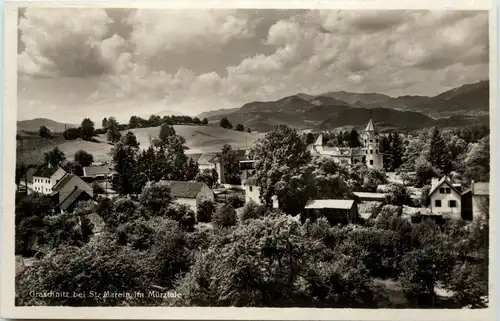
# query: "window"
371,151
376,151
437,203
441,190
371,161
250,188
371,140
365,141
452,203
376,140
448,190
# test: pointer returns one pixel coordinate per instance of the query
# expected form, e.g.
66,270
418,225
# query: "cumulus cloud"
169,57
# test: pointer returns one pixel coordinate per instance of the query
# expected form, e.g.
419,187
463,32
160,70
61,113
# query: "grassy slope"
198,139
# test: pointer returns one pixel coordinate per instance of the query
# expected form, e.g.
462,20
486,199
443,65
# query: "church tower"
371,147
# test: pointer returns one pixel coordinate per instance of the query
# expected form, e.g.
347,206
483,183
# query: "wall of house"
252,193
191,202
217,166
455,212
479,206
44,185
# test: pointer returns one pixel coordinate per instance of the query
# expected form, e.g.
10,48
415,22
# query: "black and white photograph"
251,158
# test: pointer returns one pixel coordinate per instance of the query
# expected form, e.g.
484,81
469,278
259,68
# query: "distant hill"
167,112
198,139
34,125
341,108
213,113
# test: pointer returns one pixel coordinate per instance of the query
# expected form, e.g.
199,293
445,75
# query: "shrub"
398,195
205,210
225,216
236,201
156,198
252,210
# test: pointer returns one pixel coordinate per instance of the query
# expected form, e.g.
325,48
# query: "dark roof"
183,189
96,170
45,171
71,199
442,181
62,182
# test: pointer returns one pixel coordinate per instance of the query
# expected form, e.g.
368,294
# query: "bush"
45,132
72,133
398,195
97,188
235,201
205,210
470,285
252,211
225,216
156,198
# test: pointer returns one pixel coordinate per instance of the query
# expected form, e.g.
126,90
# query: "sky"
95,62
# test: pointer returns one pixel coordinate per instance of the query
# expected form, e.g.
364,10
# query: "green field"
198,139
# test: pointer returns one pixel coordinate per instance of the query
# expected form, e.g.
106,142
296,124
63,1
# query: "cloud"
196,60
67,42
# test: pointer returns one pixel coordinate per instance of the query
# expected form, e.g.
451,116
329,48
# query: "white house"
45,178
368,154
480,199
252,193
189,193
209,161
445,199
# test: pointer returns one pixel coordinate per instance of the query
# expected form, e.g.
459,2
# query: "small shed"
337,211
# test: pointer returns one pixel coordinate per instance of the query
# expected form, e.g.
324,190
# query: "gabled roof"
369,127
96,170
45,171
194,157
481,189
62,182
441,182
330,203
184,189
66,203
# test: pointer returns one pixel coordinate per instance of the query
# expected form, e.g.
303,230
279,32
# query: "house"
252,193
45,178
476,201
209,161
70,190
368,154
189,193
445,199
101,172
337,211
480,199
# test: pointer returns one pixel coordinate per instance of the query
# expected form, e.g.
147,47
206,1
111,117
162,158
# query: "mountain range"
461,106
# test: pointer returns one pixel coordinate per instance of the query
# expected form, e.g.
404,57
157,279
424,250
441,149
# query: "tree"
282,169
424,196
439,155
113,136
45,132
87,129
397,151
225,216
477,161
239,127
104,124
252,210
113,130
424,172
205,210
55,157
206,176
130,140
125,163
156,198
398,195
83,158
192,170
249,130
230,163
165,132
204,121
225,123
134,122
72,133
154,120
309,139
353,140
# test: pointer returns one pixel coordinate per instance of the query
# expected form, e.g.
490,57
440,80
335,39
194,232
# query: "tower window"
371,161
371,151
376,151
376,140
371,140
